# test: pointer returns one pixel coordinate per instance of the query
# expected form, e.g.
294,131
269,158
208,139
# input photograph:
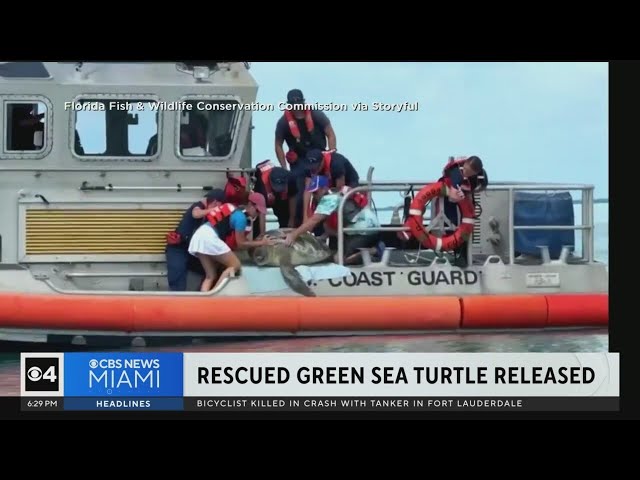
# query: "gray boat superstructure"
108,203
93,219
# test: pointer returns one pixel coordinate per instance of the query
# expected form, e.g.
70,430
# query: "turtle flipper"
291,276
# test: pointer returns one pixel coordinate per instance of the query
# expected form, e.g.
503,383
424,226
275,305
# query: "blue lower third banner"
123,381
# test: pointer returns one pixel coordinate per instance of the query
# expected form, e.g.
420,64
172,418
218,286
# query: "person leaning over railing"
337,168
279,188
357,214
464,176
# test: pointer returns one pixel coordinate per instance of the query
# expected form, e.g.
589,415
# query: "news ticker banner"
320,381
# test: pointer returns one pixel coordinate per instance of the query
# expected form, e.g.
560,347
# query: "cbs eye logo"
41,374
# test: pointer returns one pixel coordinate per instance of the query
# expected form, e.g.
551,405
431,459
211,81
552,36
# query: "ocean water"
596,340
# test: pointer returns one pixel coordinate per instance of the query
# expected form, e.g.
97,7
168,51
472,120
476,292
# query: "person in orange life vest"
303,129
179,262
327,203
279,188
333,165
464,176
224,231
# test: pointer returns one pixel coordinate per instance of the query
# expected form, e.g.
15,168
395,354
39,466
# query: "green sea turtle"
306,250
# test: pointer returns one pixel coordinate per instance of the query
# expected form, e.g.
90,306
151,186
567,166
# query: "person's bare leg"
209,266
232,264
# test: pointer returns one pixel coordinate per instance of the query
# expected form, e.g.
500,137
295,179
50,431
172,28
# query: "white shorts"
207,241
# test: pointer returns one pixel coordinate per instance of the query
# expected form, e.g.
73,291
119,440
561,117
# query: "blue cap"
215,194
317,182
279,179
314,156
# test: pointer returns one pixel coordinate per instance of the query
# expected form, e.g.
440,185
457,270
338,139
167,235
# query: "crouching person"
226,229
179,262
356,215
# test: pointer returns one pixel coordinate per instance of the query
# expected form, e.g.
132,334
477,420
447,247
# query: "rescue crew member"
303,129
224,231
465,176
177,255
336,167
279,188
327,203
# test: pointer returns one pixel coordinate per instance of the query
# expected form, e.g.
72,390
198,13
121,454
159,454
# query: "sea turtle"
306,250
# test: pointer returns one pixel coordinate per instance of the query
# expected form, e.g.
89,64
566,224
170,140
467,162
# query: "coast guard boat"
82,230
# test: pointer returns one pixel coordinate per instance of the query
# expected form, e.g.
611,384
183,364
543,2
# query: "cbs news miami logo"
42,374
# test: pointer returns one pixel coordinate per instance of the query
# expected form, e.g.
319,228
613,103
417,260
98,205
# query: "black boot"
461,256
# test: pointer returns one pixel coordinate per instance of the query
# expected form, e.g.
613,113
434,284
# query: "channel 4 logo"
41,374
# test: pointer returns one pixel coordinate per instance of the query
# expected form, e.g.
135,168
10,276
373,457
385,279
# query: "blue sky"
527,121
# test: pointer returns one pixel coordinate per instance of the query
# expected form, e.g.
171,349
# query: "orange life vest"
219,219
235,190
265,176
291,155
293,124
325,168
220,213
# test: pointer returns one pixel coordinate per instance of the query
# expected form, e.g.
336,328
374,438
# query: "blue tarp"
543,209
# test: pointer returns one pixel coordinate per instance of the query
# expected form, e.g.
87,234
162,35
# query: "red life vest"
325,168
231,241
265,176
293,124
220,218
235,190
291,156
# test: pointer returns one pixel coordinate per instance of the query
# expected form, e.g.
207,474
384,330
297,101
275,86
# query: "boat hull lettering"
442,277
413,278
369,279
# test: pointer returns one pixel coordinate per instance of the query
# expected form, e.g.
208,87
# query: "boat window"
25,126
208,127
115,128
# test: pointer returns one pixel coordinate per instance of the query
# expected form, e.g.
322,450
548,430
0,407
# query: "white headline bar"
402,374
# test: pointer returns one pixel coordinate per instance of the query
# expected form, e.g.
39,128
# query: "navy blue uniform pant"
297,170
177,267
453,214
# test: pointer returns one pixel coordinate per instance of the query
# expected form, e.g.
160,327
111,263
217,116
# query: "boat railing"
586,225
